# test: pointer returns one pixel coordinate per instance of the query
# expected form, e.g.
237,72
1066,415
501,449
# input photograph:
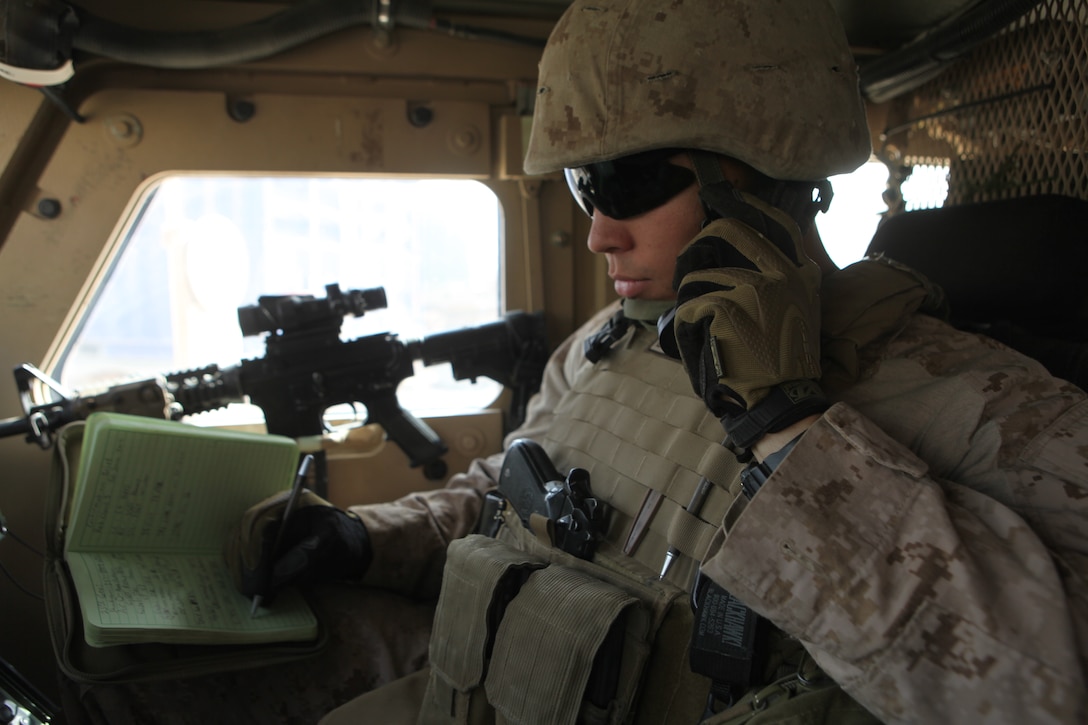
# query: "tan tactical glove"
747,318
319,543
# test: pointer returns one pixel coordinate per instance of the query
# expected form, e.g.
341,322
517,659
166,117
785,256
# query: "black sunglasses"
628,186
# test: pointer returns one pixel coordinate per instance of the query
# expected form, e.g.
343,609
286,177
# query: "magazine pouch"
128,663
526,633
570,649
481,578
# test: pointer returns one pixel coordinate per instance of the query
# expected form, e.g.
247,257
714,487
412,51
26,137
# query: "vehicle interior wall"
341,106
1007,119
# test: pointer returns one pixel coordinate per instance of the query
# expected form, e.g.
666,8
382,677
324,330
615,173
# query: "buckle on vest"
597,345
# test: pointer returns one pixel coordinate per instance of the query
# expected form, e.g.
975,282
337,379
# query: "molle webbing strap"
626,451
691,533
635,424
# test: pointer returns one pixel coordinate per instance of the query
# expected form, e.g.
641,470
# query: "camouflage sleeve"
943,580
410,535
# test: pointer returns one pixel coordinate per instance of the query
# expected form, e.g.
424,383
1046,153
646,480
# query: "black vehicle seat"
1015,269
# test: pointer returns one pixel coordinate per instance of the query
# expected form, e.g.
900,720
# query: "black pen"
292,499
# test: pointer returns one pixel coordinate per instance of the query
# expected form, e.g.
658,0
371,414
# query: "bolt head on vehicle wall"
124,129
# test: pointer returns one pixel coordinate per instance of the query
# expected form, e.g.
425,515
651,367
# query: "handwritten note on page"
152,503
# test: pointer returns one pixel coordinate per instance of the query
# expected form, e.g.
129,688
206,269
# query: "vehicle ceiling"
871,25
898,43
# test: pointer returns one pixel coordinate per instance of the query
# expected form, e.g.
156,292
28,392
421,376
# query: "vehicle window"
202,246
858,205
926,187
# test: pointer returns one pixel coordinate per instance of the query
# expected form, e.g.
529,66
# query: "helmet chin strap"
796,198
707,171
802,200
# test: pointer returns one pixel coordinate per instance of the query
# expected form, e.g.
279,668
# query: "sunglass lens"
629,186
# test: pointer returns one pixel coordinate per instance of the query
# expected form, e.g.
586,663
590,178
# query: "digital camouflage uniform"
925,539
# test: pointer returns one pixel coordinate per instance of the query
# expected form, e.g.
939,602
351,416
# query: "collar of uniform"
642,312
646,312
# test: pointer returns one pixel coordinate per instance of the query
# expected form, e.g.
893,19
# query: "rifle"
150,398
307,368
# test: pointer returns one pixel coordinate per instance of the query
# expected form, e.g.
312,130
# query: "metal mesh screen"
1008,119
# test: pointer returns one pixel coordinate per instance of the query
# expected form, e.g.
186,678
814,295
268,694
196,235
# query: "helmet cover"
771,83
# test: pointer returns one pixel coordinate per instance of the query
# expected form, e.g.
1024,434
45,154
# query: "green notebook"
150,506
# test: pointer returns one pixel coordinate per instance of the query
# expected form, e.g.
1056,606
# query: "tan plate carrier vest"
525,633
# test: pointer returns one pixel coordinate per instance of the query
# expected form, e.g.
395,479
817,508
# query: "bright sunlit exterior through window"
855,211
858,206
204,246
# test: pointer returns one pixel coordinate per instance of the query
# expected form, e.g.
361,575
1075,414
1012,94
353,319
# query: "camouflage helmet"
769,82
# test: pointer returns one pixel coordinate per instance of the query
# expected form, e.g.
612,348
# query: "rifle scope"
291,313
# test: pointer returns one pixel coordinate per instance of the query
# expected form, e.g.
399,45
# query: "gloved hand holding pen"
319,543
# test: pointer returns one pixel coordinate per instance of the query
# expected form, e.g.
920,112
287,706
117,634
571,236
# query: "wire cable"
6,532
20,587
